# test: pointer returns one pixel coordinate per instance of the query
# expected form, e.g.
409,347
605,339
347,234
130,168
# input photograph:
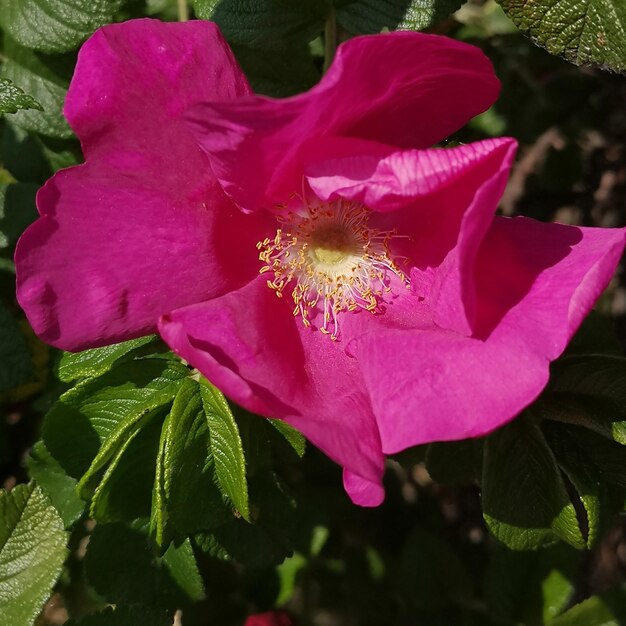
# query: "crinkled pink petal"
401,89
133,81
250,346
120,234
535,283
443,200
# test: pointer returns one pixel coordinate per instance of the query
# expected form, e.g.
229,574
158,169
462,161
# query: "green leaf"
186,497
584,476
265,23
97,361
607,458
226,447
606,610
92,419
270,39
278,72
55,483
588,391
583,31
122,567
525,503
265,542
372,16
295,439
16,365
12,98
46,79
126,616
180,562
529,587
32,551
55,25
125,490
17,211
455,462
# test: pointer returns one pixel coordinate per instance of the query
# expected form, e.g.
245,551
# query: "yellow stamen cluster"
334,261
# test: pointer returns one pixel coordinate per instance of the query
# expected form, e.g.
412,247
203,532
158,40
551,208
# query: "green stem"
330,39
183,11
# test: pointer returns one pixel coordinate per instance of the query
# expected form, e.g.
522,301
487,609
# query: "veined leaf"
32,551
35,76
97,361
226,447
588,391
186,497
12,98
91,419
295,439
525,503
55,483
55,25
372,16
583,31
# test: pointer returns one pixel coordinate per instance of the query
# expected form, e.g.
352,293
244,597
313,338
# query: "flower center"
333,260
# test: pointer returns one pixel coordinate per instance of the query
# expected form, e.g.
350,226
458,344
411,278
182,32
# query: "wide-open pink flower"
407,312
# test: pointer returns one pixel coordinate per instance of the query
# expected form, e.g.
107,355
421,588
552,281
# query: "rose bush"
407,311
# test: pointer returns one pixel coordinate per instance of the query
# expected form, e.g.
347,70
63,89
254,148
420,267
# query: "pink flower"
408,313
272,618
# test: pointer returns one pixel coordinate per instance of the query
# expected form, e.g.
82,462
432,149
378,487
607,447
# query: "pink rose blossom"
407,312
272,618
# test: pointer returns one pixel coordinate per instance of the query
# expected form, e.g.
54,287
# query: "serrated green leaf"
126,616
125,491
16,364
12,98
525,503
295,439
186,497
588,391
55,483
55,25
32,551
88,415
372,16
47,80
97,361
226,447
17,211
583,31
123,433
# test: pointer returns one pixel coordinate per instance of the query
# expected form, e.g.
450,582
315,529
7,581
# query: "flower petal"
535,283
110,255
120,234
134,80
250,346
402,89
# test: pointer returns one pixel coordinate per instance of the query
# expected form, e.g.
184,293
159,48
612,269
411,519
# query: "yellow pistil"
333,260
